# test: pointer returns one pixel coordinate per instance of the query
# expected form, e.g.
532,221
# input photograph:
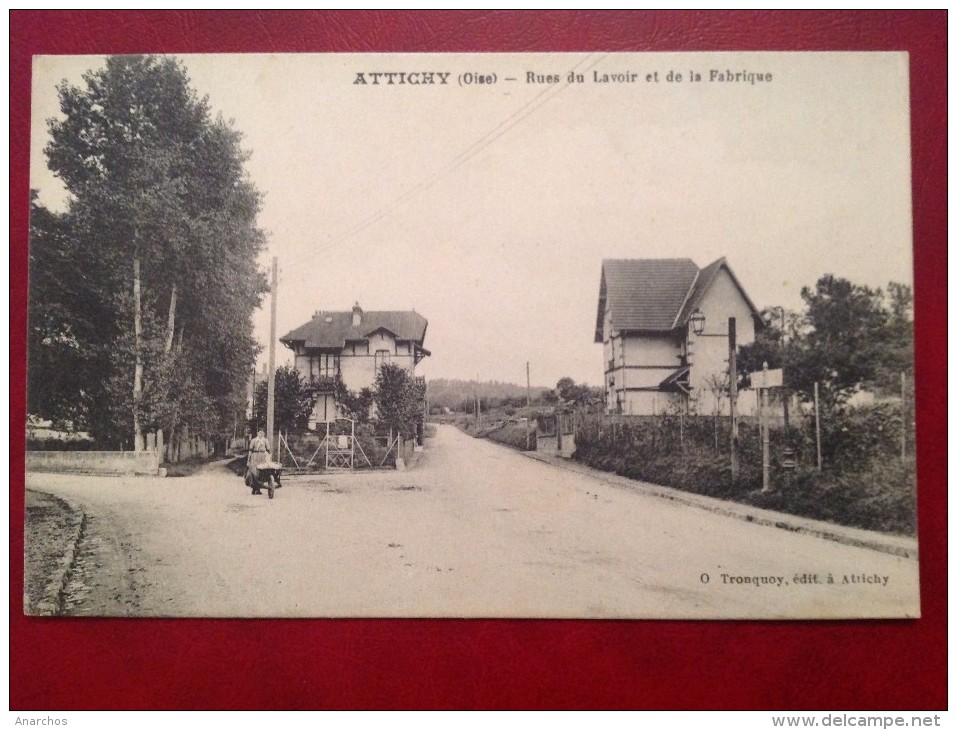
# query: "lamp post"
697,322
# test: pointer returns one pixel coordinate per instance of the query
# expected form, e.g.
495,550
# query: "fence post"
399,460
903,417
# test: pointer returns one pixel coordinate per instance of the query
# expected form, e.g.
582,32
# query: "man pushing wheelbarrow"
261,470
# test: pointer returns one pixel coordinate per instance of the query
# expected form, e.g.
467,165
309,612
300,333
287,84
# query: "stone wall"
94,462
564,446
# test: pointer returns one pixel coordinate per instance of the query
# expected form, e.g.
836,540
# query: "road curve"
475,530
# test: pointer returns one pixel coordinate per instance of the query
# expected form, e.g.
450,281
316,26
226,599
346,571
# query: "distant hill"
452,393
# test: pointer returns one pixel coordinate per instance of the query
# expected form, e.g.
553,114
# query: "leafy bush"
512,434
863,484
70,443
880,497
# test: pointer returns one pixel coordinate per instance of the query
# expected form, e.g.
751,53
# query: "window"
328,365
382,357
324,365
325,409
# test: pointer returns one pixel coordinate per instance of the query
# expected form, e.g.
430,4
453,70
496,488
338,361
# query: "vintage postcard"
584,335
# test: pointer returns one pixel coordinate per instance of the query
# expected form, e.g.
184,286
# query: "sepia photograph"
409,335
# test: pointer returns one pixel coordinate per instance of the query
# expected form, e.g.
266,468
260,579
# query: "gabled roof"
332,330
643,294
655,295
705,278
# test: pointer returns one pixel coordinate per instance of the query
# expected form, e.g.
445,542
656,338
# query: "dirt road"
474,530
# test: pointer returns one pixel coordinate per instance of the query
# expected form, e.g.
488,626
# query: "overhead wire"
483,142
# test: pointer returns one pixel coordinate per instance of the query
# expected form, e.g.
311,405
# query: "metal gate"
335,451
341,448
340,451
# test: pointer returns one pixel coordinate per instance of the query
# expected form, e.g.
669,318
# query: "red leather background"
199,664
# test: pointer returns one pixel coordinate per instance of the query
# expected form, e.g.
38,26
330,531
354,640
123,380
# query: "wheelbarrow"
265,475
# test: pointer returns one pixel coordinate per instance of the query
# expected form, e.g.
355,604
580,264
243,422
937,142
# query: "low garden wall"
94,462
553,445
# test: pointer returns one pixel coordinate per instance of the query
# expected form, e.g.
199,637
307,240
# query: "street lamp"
697,321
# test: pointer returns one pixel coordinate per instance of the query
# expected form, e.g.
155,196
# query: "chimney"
356,315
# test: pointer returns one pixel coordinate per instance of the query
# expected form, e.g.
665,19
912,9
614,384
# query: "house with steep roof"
648,314
353,346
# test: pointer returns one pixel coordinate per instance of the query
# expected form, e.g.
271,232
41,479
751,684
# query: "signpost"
763,381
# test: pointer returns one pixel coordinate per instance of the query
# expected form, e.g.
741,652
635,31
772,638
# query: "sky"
488,207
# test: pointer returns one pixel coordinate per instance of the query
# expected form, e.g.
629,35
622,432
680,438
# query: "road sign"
767,379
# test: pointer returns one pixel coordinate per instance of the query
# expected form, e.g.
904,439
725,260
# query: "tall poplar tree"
162,225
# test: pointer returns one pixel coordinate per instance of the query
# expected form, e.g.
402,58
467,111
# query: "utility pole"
528,403
528,386
271,387
784,393
733,394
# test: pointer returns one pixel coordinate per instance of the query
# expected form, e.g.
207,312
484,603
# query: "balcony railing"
322,383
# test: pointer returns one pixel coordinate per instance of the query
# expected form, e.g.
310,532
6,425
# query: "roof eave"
680,315
648,331
602,303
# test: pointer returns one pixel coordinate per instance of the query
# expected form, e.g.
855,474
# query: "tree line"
142,290
848,338
468,395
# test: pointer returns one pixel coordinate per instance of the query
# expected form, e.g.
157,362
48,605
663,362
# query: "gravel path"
77,562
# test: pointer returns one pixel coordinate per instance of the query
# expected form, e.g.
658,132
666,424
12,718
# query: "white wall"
641,361
647,403
659,355
708,354
661,350
359,371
